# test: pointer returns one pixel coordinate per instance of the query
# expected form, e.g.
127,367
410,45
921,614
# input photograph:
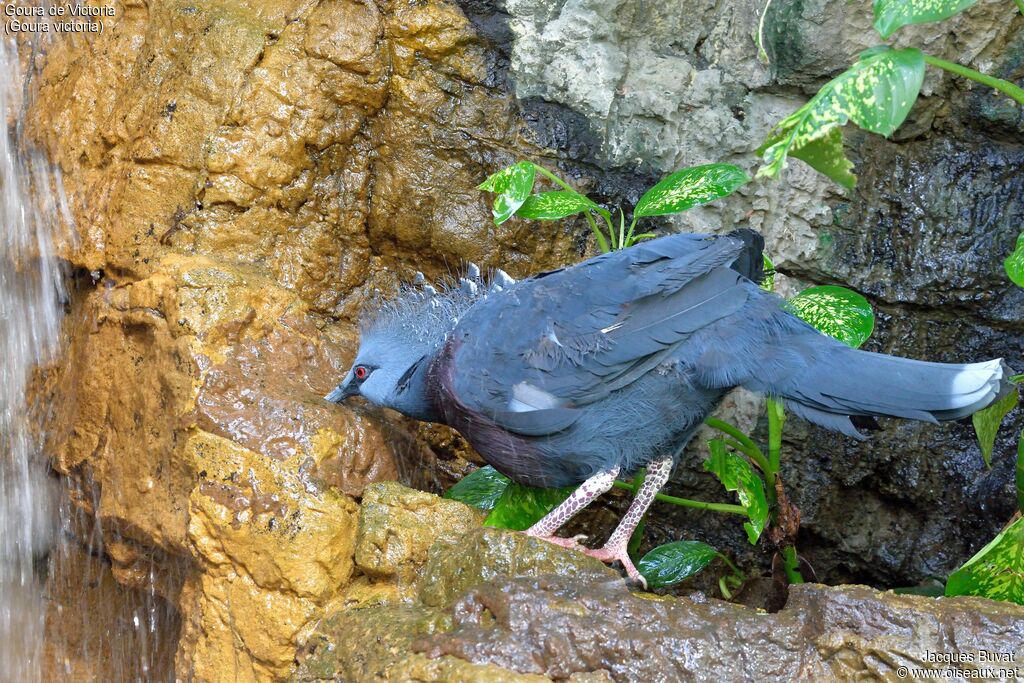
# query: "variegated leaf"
837,311
986,423
554,205
891,15
513,185
876,93
689,187
996,571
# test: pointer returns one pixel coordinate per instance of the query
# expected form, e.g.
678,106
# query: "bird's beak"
341,392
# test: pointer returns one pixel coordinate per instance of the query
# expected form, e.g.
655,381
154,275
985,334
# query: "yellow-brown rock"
239,174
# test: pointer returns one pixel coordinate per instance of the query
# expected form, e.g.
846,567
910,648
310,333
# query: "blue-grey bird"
578,375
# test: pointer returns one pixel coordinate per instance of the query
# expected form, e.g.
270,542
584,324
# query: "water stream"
34,218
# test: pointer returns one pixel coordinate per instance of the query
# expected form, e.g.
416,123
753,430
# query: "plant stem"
629,235
999,84
776,418
749,448
688,503
791,565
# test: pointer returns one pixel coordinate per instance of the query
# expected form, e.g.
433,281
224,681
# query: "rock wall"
242,175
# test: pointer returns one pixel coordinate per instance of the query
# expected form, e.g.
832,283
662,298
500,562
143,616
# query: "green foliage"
1020,473
481,488
548,206
876,93
520,507
674,562
690,187
768,283
736,474
678,192
986,423
513,186
891,15
838,312
1014,263
996,571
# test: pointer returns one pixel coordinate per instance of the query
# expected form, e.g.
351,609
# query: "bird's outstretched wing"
528,357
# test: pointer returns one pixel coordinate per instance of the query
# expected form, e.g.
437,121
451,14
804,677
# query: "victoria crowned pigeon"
583,374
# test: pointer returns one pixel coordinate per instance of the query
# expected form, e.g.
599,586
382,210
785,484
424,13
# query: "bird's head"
392,373
400,338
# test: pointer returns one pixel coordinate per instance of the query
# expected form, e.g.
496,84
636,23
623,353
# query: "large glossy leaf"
513,186
986,423
837,311
876,93
481,488
997,571
554,205
519,507
689,187
671,563
1014,263
736,474
891,15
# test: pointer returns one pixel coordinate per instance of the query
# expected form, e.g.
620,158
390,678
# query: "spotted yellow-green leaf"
1014,263
737,474
689,187
876,93
481,488
891,15
837,311
672,563
554,205
513,186
996,571
986,423
768,281
520,507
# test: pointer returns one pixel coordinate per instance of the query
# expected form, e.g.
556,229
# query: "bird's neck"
414,396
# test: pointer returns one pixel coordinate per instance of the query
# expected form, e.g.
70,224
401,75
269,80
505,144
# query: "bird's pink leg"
580,498
615,548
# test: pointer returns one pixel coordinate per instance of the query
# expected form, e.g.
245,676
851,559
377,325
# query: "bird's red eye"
361,372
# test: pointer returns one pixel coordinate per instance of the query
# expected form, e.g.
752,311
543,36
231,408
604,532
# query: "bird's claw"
619,554
573,543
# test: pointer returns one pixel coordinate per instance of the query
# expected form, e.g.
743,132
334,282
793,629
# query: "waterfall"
33,217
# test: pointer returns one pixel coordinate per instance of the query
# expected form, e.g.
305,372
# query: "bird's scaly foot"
618,553
573,543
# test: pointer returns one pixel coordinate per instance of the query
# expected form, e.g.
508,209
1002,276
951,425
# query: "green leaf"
481,488
1020,473
736,474
520,507
996,571
548,206
671,563
768,282
1014,263
986,423
689,187
513,185
891,15
837,311
876,93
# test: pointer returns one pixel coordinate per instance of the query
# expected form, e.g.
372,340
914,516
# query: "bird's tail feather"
845,382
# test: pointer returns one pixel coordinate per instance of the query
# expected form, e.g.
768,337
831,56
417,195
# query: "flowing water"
33,218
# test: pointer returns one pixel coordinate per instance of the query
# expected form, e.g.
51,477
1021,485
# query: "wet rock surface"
493,605
243,175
